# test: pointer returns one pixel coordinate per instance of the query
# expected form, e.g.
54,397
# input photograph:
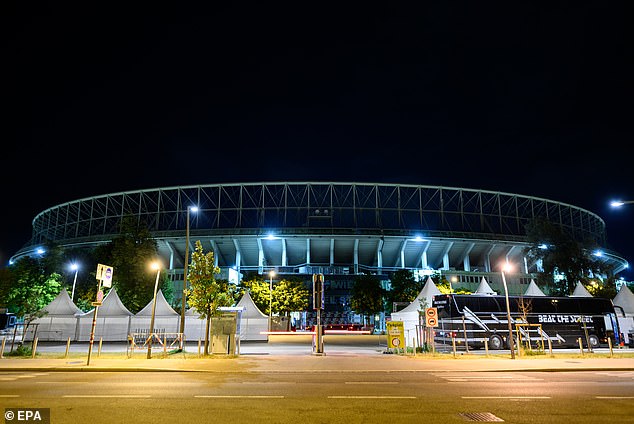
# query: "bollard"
99,350
34,348
610,346
4,340
199,348
580,346
165,344
550,347
67,348
486,347
453,342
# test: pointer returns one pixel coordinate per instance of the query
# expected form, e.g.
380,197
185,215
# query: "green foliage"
21,350
563,254
258,290
367,295
31,290
404,288
289,296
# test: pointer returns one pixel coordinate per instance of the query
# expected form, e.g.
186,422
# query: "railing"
142,340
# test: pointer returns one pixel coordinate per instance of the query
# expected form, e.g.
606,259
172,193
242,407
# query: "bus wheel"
593,340
496,342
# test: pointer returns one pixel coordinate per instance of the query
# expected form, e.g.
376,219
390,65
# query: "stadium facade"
338,229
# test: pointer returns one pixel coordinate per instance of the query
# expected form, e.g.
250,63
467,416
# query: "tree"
289,296
31,289
367,296
207,294
258,290
130,254
404,288
561,253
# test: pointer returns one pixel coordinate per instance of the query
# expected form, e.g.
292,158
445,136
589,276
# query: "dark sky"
527,99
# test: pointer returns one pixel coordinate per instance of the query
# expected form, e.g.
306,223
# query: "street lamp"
507,267
75,268
157,267
452,281
271,275
619,203
184,303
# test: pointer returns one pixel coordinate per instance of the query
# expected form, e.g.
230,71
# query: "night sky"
526,99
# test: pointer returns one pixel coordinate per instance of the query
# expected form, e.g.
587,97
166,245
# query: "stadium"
334,228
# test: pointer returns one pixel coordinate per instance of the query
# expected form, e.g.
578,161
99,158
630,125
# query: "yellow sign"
395,334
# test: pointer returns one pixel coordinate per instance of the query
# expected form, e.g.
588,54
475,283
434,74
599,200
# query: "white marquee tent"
252,321
625,300
485,288
59,321
410,314
533,290
580,291
113,320
166,319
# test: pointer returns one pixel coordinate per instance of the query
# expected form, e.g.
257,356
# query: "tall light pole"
271,275
507,267
452,281
184,302
75,268
157,267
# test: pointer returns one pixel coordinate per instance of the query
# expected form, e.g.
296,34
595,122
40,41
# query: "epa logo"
38,415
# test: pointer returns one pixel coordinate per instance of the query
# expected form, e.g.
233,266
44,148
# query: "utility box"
224,333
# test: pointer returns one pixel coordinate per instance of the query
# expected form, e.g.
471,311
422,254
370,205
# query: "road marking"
371,397
106,396
505,397
371,382
9,396
614,397
239,397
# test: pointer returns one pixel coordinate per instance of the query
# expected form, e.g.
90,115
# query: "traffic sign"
104,273
431,317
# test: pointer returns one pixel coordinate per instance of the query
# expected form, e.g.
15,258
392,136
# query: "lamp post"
271,275
452,280
157,267
507,267
75,268
184,303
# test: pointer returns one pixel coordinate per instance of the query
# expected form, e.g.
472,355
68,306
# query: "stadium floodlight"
619,203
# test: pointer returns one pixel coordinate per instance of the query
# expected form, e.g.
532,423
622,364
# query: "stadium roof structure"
325,227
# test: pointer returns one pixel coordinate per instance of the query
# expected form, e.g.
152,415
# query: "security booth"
225,331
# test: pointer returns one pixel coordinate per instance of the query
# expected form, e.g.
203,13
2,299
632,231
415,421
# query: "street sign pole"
104,275
94,324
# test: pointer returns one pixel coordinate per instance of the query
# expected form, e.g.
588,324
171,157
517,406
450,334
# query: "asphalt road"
323,396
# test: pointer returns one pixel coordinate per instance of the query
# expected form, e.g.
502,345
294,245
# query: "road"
323,396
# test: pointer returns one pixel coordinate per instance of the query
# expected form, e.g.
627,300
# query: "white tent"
410,314
58,322
484,288
166,319
252,321
580,291
113,320
194,326
533,290
625,300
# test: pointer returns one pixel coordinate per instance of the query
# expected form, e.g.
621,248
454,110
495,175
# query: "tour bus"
471,319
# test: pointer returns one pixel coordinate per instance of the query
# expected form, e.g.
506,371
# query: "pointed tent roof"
250,309
533,290
484,288
111,306
580,291
428,291
162,307
61,306
625,299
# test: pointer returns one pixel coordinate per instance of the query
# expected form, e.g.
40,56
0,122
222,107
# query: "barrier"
160,340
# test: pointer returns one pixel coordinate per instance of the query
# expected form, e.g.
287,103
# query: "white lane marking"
106,396
371,382
9,396
239,397
505,397
371,397
614,397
